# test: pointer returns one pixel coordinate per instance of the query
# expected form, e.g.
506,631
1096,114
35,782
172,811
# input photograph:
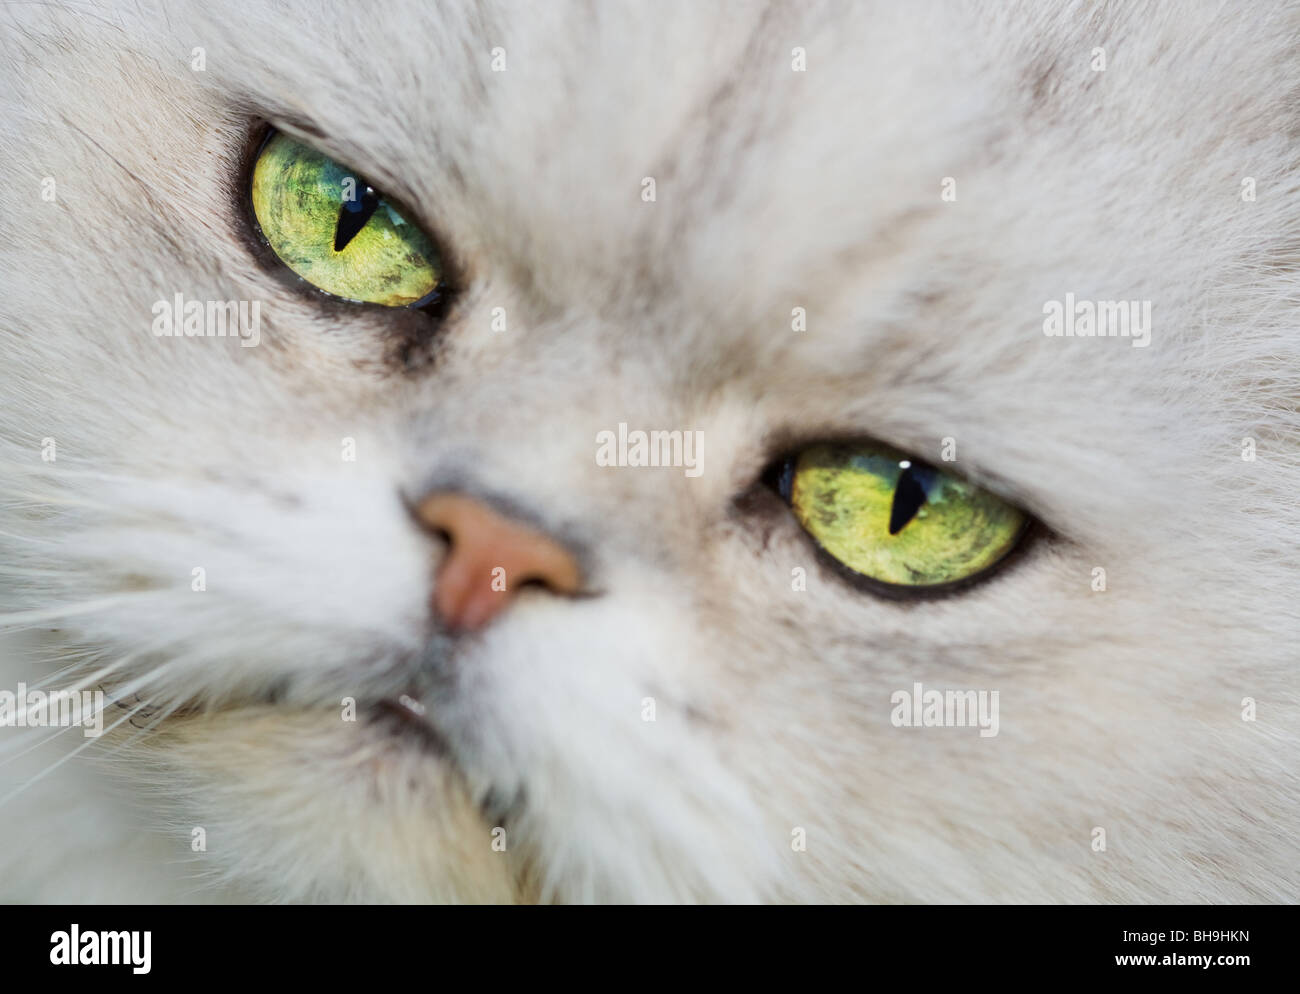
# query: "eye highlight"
336,232
898,521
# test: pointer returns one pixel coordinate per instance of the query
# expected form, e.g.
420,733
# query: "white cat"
774,225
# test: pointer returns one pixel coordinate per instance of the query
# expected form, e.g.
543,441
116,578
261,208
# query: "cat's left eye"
336,232
894,520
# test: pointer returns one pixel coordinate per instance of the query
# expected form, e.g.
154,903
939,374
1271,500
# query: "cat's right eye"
337,232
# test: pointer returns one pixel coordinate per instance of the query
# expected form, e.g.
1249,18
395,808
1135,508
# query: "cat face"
772,227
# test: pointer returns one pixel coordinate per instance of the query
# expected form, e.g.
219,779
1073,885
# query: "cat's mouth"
406,716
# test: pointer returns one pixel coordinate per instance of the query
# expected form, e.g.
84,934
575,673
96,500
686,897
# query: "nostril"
432,527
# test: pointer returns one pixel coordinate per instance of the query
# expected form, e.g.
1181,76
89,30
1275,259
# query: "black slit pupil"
909,497
353,215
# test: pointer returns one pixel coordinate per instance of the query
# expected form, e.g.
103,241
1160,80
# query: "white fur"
775,189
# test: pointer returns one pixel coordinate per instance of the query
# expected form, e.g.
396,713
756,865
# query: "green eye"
896,520
337,233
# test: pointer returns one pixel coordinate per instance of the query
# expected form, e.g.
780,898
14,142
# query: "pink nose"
490,557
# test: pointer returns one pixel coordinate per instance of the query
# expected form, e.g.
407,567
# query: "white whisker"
56,764
65,611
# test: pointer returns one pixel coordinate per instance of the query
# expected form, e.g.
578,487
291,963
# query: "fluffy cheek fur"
298,807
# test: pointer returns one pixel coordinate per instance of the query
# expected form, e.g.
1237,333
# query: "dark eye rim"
434,305
779,475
